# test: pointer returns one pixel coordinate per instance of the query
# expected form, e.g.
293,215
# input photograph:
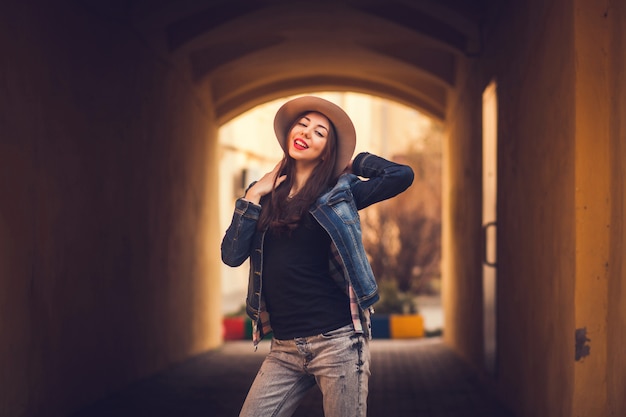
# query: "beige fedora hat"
346,135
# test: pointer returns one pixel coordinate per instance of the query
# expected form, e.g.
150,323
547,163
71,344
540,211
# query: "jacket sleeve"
383,179
238,237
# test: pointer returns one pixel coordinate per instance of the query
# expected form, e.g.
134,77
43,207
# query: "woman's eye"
319,133
301,124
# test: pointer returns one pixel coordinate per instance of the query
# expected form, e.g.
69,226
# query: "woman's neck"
302,175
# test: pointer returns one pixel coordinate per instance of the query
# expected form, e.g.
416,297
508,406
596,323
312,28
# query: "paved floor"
419,378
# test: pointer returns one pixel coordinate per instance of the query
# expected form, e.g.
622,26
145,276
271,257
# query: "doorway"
489,224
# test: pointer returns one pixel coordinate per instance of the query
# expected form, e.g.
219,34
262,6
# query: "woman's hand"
265,185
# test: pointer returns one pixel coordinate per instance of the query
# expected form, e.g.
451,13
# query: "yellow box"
406,326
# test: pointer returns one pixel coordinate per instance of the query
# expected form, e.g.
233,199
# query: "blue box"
380,326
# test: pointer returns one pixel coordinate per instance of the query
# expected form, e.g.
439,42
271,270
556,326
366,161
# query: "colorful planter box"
392,326
397,326
406,326
238,328
380,326
233,328
248,328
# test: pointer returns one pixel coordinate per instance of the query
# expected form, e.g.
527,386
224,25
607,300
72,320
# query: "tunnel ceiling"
246,52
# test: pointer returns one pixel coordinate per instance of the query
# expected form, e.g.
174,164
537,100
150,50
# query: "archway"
402,238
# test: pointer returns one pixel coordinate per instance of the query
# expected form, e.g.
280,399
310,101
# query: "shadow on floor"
409,378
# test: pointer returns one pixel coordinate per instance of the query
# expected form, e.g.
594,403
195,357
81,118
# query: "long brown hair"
282,213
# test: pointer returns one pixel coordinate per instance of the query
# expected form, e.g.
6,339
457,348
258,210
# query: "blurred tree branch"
402,236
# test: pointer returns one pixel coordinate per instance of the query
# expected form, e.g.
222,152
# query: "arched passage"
109,113
244,56
408,258
112,112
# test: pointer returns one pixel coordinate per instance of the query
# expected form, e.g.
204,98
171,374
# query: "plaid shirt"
360,318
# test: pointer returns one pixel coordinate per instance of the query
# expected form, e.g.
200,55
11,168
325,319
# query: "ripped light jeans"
337,361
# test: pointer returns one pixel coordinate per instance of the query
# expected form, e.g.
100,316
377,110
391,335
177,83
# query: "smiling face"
308,137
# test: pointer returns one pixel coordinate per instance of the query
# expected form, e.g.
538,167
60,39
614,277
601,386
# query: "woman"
309,272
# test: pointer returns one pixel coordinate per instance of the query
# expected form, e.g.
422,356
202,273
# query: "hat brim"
344,129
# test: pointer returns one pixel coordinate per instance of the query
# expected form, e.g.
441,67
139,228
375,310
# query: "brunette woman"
310,281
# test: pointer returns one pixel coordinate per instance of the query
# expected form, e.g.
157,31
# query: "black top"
301,296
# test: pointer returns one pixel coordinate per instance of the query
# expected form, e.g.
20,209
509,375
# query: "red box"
233,328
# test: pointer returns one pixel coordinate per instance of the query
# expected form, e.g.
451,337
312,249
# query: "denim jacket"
337,212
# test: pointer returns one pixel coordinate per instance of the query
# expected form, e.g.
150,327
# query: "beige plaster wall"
108,234
600,377
559,69
461,220
529,53
593,227
536,211
616,320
